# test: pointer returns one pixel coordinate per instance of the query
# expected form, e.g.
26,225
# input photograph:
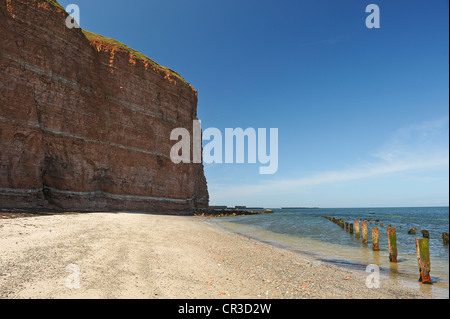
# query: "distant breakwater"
230,212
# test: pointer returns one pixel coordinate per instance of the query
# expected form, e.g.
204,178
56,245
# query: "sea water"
306,231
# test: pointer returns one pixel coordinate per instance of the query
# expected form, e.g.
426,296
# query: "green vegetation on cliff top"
96,37
55,3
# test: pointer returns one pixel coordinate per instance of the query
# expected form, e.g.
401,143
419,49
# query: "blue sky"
362,113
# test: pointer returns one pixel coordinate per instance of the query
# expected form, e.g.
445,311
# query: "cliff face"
85,122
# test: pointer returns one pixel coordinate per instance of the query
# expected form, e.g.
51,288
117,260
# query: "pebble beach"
132,255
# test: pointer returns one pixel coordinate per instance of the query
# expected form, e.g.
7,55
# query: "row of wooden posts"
422,244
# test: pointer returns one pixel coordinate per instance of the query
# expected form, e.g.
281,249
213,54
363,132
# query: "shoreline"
404,279
126,255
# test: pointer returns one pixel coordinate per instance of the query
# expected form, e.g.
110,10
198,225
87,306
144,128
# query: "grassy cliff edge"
93,37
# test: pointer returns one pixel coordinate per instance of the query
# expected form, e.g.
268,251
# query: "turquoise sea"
306,231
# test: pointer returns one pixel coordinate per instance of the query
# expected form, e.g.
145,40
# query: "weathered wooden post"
364,231
426,234
423,259
346,227
445,238
376,239
357,229
392,241
351,228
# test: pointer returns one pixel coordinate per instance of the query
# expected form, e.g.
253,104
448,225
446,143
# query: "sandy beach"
132,255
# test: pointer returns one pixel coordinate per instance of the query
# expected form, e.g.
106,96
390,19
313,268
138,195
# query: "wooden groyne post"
376,239
346,227
423,259
445,238
351,228
364,231
392,241
357,229
426,234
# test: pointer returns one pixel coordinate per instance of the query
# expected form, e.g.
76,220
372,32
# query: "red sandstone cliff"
85,122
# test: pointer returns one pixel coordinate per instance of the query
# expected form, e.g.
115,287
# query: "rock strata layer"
85,121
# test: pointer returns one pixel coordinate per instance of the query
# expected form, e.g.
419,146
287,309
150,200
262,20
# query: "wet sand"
131,255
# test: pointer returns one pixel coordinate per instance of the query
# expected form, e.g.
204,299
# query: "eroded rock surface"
85,123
